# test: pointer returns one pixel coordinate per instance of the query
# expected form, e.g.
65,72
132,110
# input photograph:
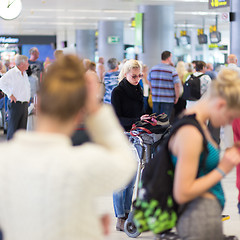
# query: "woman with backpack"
197,188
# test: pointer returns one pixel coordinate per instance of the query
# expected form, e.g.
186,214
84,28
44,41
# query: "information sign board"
218,3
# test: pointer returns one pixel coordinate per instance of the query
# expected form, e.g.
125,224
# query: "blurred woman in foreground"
50,187
197,186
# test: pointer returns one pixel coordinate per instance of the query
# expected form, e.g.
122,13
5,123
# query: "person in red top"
236,135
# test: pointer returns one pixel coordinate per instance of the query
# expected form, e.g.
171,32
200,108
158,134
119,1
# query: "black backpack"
192,88
155,208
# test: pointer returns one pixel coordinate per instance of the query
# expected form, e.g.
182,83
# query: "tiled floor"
231,227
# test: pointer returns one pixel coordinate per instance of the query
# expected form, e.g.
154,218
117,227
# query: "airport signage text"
113,39
4,40
218,3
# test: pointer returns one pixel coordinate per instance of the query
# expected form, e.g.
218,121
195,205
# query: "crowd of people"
53,194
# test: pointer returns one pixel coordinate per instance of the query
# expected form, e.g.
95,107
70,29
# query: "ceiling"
46,17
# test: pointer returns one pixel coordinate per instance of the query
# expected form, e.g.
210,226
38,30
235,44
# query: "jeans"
161,107
122,200
1,103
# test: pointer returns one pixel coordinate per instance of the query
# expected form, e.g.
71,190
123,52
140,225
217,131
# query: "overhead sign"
212,28
113,39
218,3
139,32
220,47
27,39
200,31
183,33
9,40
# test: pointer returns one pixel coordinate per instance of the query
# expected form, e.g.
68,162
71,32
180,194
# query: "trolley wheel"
129,227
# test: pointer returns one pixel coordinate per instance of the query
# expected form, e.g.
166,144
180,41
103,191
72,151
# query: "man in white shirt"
15,85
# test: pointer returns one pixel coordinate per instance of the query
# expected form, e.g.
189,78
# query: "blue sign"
11,40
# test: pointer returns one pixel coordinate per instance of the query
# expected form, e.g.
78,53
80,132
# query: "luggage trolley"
145,145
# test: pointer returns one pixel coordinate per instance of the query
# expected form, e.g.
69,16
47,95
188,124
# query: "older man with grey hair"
15,85
110,79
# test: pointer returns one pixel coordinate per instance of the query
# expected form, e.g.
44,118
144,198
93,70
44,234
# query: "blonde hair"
128,66
189,67
181,70
58,54
227,86
63,89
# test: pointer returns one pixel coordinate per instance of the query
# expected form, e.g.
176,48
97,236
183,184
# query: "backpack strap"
200,75
190,120
196,76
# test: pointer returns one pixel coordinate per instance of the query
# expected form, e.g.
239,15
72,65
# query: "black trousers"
17,117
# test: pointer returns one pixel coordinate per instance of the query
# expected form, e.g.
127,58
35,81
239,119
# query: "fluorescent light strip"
187,25
194,1
197,13
83,10
57,23
101,11
89,18
72,18
46,10
203,1
118,11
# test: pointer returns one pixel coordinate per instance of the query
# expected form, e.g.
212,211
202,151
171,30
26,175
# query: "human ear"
221,103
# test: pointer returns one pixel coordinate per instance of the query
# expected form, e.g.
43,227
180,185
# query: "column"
85,44
71,41
195,55
110,40
235,29
61,36
158,32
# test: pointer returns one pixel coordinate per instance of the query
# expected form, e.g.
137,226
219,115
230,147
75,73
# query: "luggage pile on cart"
146,136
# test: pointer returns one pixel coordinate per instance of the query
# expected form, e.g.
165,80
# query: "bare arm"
150,86
177,91
188,150
101,71
12,98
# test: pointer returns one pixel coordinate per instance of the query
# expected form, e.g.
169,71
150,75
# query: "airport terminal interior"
192,30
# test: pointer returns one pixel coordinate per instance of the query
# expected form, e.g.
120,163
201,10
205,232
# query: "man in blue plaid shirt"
165,85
